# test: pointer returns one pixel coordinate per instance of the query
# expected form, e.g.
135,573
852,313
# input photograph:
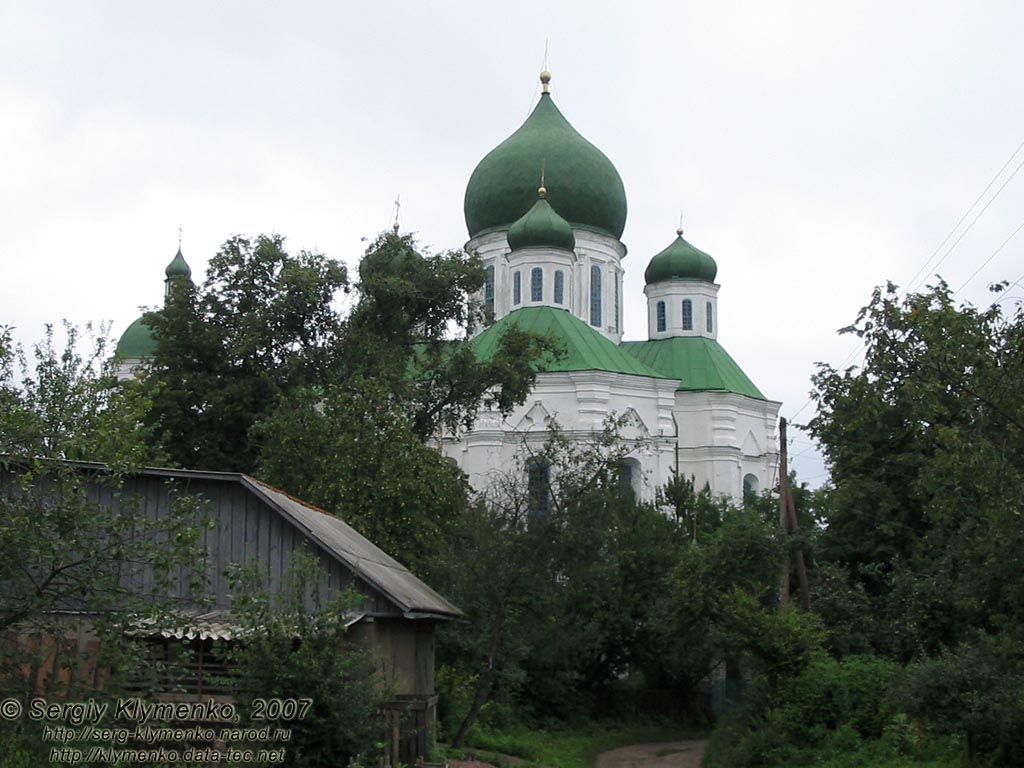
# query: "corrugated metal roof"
212,625
363,557
697,362
585,348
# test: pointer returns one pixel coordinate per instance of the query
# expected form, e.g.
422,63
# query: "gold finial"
679,229
545,78
542,191
398,208
179,237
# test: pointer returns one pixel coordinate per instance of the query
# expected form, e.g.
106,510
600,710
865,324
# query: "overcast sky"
815,149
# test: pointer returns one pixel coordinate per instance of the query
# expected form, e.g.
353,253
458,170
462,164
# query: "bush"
831,707
975,691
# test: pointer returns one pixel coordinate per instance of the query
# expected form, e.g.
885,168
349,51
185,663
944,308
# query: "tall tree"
925,443
411,326
559,567
69,536
262,323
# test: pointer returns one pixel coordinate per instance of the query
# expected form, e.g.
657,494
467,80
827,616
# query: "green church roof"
541,226
178,267
585,349
699,363
136,342
583,185
681,261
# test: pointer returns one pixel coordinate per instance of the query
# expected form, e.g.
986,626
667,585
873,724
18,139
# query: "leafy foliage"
294,646
261,324
926,449
829,707
410,329
351,449
558,571
72,540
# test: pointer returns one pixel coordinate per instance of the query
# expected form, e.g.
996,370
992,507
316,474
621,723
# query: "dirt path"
672,754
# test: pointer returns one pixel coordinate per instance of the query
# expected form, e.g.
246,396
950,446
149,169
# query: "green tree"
410,329
261,324
293,645
72,540
557,571
925,443
351,449
362,444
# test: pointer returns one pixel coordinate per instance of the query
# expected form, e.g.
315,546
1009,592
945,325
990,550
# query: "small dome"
681,261
586,188
178,267
390,256
136,342
541,227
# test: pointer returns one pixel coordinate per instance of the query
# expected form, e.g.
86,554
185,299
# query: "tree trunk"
483,685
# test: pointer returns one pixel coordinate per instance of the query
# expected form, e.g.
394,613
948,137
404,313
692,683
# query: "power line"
968,213
994,254
975,219
858,347
1016,283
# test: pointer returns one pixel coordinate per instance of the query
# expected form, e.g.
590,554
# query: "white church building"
553,259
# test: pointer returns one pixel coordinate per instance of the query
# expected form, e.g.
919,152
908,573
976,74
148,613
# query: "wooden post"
787,512
784,507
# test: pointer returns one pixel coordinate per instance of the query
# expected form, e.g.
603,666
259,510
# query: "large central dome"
582,184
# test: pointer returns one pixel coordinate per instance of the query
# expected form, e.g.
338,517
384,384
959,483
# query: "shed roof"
362,556
339,540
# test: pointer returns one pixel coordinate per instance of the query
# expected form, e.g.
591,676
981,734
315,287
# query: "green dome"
178,267
391,256
583,184
681,261
136,342
540,227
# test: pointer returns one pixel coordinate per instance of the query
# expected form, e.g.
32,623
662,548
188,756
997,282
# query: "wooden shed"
252,522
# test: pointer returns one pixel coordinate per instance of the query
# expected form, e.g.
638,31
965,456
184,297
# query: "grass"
569,746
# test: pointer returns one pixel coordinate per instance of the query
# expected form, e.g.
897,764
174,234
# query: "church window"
536,284
517,288
615,280
710,322
595,296
627,472
559,287
687,315
489,290
660,311
751,488
538,484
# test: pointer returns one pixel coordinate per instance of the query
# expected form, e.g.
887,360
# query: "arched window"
709,310
627,476
687,315
751,487
559,287
538,485
595,296
536,284
615,279
660,312
489,290
517,288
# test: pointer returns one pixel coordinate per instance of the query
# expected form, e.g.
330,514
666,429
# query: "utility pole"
787,517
